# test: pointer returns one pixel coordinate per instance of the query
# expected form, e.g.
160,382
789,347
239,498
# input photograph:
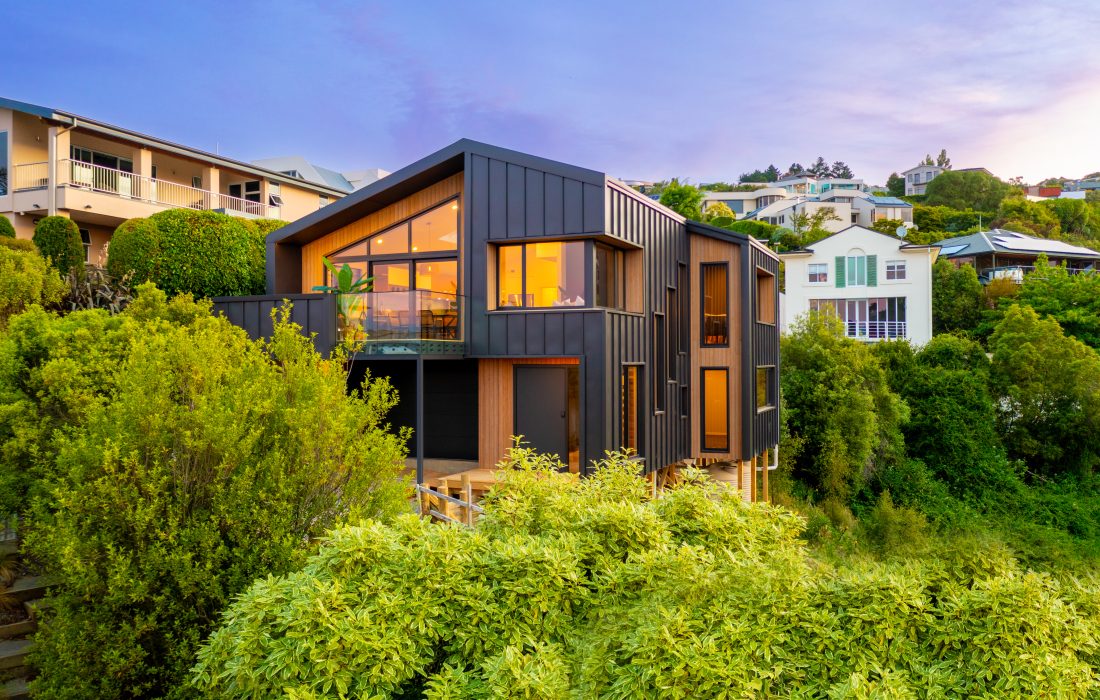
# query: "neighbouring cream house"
99,175
878,285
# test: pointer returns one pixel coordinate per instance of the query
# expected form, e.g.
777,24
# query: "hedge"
25,279
203,253
7,230
58,239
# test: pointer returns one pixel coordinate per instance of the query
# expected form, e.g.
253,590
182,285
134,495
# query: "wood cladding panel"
705,250
496,415
312,267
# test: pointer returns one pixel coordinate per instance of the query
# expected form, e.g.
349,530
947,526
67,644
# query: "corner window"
541,275
895,269
629,412
610,280
715,409
819,272
715,304
765,388
857,269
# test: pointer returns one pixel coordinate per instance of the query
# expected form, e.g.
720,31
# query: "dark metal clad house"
515,295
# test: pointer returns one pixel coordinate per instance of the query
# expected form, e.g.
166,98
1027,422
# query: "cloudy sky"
639,90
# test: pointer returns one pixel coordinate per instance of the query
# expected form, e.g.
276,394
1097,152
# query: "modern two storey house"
878,285
515,295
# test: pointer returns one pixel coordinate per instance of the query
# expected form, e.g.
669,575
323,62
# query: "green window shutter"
872,270
840,269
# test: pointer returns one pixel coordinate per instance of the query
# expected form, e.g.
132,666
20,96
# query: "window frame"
770,389
588,275
703,304
639,405
618,281
899,266
810,273
660,363
703,411
852,263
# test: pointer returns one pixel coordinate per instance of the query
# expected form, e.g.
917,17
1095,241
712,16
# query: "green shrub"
58,239
896,528
25,279
202,253
18,244
7,230
588,589
171,461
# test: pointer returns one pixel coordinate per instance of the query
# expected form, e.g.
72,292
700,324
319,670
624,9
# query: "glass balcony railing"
407,322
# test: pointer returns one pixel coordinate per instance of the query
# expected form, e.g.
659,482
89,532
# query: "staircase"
15,638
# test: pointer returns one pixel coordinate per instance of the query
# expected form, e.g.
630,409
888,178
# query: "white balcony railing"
131,186
30,176
875,330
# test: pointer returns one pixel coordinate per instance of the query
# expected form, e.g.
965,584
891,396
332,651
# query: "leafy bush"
170,462
25,279
571,588
203,253
95,289
58,239
7,230
956,297
1048,387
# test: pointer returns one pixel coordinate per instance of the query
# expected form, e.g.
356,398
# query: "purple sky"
638,89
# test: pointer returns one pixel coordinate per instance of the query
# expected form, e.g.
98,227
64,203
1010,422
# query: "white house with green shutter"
878,285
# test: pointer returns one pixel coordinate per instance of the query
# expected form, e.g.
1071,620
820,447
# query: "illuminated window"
541,275
437,276
390,242
715,289
436,229
716,410
629,411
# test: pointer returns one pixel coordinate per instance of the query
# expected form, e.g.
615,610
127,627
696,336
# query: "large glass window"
629,409
716,409
436,229
393,241
610,280
438,276
541,275
715,289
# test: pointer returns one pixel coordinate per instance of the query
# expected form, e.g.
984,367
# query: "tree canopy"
895,185
684,199
972,189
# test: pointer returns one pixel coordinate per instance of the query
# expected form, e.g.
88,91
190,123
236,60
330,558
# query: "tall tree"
772,173
927,160
895,185
820,168
796,169
810,228
956,297
942,160
841,169
686,200
967,190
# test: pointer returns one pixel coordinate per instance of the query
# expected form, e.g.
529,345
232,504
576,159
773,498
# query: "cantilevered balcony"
88,178
402,323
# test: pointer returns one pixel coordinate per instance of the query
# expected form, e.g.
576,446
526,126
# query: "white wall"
916,288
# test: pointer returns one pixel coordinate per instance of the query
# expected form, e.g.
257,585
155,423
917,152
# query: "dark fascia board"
76,121
413,178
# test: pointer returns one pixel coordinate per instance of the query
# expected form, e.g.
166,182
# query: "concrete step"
15,690
30,588
13,653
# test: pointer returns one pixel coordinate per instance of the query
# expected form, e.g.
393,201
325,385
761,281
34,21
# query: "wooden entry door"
542,408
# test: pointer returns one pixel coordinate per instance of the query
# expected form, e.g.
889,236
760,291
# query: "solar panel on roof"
1042,245
952,249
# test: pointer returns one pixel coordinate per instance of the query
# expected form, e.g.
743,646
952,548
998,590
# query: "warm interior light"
454,206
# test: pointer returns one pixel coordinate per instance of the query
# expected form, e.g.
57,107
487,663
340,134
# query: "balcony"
1016,273
401,323
875,330
86,177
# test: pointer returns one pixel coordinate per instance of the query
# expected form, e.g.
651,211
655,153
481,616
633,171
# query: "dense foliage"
58,239
967,190
7,230
956,297
588,589
1073,300
684,199
25,279
168,461
203,253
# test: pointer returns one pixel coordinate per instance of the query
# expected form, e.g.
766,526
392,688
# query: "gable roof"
903,245
1004,241
414,177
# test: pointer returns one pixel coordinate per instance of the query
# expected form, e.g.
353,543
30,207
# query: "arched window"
857,268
